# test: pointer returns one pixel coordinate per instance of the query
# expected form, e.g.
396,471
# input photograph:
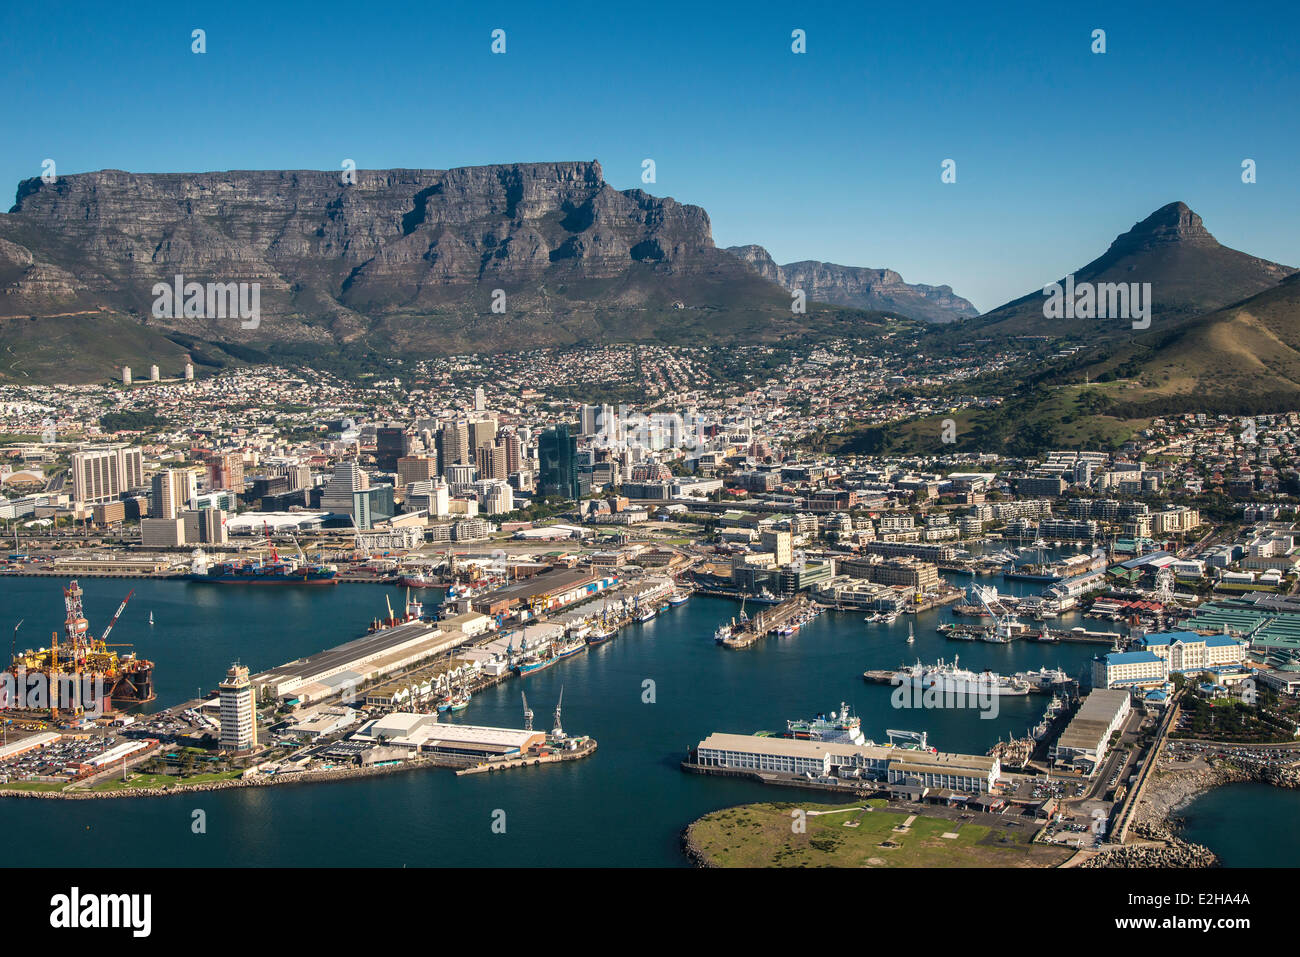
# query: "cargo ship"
257,571
79,657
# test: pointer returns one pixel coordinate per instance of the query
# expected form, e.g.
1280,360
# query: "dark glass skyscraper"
557,455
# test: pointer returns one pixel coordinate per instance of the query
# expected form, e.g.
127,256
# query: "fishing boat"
646,614
678,598
597,635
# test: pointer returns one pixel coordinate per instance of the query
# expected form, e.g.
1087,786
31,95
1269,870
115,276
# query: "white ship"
839,726
1043,678
953,679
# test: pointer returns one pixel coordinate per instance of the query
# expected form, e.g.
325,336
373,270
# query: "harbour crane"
558,732
1005,625
528,713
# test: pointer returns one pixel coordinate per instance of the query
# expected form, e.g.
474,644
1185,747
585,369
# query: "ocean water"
1233,820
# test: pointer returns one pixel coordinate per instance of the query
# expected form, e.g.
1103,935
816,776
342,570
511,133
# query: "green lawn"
35,785
763,835
135,781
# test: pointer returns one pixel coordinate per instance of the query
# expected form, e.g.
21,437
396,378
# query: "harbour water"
646,695
1218,819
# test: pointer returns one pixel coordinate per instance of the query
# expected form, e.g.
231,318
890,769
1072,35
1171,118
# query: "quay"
766,621
584,748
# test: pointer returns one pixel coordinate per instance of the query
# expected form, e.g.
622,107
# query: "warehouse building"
1085,741
422,734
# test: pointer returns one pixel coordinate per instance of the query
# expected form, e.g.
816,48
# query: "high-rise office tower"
557,453
104,474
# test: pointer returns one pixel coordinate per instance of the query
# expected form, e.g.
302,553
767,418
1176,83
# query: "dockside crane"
558,731
528,713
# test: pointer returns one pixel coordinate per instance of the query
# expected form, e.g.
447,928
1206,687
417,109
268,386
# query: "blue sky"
834,154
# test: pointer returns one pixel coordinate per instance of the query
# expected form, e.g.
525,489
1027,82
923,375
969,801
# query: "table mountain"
401,260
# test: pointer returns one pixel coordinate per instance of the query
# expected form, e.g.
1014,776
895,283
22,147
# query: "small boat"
151,618
911,635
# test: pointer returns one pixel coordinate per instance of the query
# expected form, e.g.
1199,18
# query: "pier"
766,621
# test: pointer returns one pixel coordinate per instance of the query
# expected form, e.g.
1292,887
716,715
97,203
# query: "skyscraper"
491,462
104,474
238,711
392,443
168,495
482,432
455,445
557,453
509,440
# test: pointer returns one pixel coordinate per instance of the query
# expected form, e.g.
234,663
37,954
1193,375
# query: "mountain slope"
1189,271
402,261
860,287
1242,359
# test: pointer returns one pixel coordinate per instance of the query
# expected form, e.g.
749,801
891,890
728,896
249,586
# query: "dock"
585,749
767,620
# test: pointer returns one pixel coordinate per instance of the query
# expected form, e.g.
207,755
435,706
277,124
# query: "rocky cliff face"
860,287
411,254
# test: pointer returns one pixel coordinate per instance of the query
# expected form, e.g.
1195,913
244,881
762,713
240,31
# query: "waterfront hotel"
1156,657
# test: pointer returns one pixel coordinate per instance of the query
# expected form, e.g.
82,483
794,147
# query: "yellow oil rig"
80,657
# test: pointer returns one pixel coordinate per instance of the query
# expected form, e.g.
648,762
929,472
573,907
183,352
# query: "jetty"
766,621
